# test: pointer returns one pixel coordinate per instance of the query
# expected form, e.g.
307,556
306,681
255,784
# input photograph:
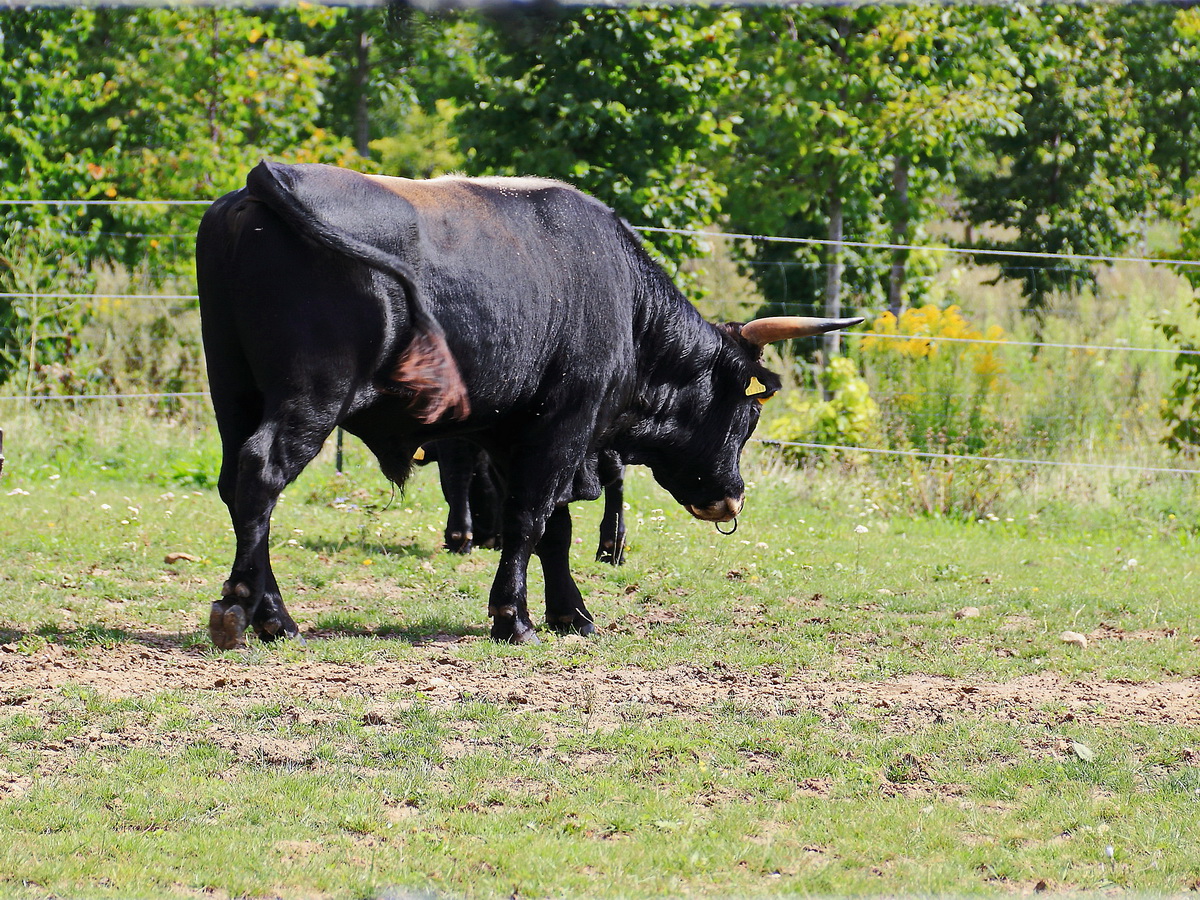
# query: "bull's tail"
326,204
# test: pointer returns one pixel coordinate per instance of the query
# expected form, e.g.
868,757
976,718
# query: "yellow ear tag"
420,454
756,387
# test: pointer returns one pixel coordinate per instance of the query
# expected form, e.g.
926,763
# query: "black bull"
518,312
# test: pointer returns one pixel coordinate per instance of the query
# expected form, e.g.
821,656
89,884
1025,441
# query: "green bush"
944,394
848,418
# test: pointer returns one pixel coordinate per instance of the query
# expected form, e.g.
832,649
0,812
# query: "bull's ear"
784,328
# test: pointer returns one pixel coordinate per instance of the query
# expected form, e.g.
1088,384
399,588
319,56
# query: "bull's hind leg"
252,478
565,611
611,548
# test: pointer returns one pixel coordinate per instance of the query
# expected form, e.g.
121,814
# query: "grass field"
838,699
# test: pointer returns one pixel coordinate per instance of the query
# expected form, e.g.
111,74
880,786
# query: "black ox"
518,312
472,491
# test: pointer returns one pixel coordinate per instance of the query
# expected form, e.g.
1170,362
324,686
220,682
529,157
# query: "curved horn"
782,328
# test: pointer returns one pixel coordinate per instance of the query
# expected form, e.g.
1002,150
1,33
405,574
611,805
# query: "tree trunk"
362,79
833,278
899,236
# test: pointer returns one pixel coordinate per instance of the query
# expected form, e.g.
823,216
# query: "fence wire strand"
728,235
868,245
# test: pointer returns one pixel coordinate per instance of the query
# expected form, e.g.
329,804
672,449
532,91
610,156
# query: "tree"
1162,54
139,104
853,118
618,102
1075,178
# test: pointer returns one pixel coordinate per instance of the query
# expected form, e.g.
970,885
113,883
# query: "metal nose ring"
731,530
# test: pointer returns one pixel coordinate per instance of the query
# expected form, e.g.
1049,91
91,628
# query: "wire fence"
1077,404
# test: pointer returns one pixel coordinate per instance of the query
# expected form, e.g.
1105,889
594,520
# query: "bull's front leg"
526,511
507,605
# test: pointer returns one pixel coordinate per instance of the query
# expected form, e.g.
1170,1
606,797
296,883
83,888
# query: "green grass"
794,709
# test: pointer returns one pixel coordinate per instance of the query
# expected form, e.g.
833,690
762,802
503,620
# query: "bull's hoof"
227,624
574,624
459,542
512,630
611,552
274,629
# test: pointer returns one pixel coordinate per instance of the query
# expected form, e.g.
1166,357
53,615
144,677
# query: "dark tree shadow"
106,636
430,630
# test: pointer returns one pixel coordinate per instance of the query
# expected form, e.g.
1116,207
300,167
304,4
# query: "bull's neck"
677,351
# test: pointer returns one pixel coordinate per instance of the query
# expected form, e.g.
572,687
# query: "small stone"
1083,751
1074,637
967,612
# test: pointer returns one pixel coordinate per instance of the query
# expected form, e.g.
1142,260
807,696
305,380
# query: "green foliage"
423,145
849,417
1161,45
618,102
1181,405
147,104
38,330
842,97
943,394
197,468
1075,177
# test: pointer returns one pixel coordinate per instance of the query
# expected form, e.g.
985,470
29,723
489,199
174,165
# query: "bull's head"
700,441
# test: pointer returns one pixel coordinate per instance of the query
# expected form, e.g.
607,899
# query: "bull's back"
530,279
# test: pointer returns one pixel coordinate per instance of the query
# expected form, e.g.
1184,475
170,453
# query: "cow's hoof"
274,629
227,624
576,624
609,552
459,542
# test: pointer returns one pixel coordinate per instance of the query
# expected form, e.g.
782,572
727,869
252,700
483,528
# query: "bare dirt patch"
605,696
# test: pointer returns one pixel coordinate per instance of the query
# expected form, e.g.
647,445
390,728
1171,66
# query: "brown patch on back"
437,193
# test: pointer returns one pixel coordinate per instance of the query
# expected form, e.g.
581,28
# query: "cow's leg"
486,504
456,461
252,478
507,604
565,611
612,527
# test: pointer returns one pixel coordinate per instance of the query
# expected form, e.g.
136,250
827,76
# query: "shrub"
943,391
849,417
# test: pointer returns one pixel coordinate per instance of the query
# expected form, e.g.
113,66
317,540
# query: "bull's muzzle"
721,511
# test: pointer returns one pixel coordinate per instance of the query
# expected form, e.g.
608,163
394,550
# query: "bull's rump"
529,280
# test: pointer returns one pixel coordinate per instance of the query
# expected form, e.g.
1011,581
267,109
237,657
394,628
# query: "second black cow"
518,312
473,492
